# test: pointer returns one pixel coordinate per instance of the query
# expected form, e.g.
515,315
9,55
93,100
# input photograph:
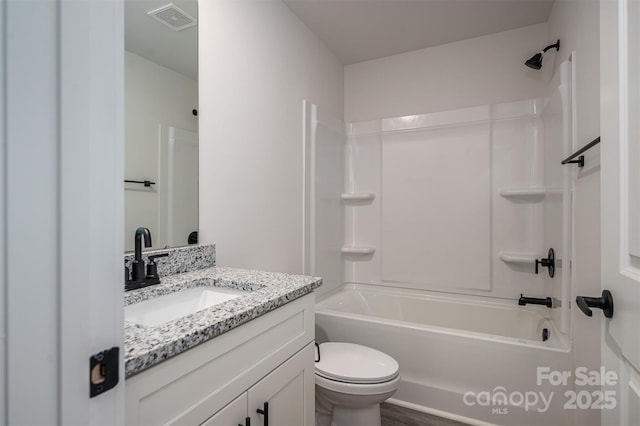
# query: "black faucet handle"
127,276
152,269
155,256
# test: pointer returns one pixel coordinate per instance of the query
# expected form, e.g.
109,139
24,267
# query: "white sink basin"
177,305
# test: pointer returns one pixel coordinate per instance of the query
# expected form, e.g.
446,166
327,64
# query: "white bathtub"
460,357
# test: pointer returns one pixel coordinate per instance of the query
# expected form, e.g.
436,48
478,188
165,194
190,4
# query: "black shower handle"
605,302
544,262
548,262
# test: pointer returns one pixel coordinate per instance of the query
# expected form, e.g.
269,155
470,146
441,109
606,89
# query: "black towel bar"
580,160
146,183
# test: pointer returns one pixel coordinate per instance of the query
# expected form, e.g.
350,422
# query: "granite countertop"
145,347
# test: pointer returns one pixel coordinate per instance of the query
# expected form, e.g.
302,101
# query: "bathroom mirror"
161,122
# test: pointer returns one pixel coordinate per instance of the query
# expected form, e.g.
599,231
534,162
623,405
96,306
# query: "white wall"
478,71
155,98
257,63
576,24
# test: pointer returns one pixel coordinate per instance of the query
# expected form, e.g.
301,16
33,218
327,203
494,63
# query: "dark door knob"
605,302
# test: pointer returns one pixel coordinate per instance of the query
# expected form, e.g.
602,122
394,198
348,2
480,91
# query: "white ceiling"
355,30
360,30
146,37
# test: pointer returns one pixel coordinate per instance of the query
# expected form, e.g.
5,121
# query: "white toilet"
351,382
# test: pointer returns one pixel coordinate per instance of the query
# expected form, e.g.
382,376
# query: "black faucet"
547,301
138,278
137,265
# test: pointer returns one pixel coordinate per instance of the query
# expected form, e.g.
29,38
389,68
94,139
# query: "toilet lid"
351,363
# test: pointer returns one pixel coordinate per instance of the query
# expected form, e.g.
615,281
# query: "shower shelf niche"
358,250
517,257
533,194
357,197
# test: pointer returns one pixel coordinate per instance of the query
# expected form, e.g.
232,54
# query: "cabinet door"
289,390
233,414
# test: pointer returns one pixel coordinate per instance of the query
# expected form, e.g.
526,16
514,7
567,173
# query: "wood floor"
394,415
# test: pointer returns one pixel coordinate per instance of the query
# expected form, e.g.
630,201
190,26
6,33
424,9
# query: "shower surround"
463,201
443,216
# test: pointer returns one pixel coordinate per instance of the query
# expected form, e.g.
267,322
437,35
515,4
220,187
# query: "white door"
61,192
620,153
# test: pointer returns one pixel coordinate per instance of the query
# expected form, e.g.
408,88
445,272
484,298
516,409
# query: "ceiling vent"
173,17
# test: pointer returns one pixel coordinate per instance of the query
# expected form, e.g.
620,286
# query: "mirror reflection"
161,123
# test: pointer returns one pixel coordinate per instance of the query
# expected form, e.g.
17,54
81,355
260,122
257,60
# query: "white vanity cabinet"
235,412
284,392
228,378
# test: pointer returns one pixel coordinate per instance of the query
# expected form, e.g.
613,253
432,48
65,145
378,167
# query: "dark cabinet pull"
247,422
265,413
605,302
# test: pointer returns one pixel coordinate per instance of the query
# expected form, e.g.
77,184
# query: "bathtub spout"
547,301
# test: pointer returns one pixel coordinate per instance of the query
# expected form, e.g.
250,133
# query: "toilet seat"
358,389
350,363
